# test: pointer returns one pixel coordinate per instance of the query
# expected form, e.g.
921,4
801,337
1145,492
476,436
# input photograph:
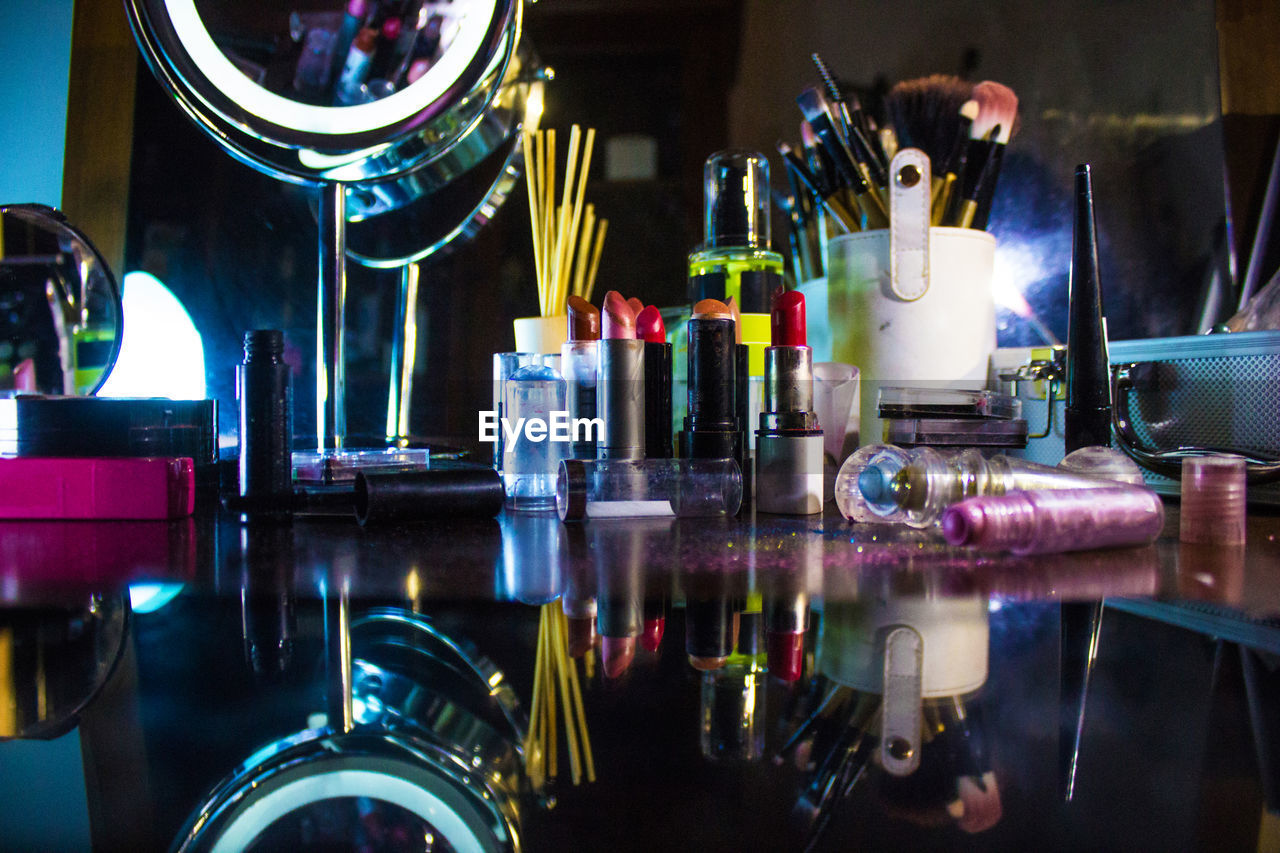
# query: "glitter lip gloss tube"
1051,522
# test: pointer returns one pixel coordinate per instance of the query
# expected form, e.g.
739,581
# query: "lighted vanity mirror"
60,309
378,104
314,91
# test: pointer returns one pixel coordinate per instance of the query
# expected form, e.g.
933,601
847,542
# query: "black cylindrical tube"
742,406
709,627
423,495
657,401
711,427
266,423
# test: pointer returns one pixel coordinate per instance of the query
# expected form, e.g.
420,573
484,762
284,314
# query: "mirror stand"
404,346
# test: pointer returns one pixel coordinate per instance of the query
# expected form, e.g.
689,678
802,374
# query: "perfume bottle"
885,483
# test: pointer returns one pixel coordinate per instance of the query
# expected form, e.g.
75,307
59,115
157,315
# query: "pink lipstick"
789,441
620,387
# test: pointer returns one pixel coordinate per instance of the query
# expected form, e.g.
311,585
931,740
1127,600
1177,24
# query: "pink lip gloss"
1050,522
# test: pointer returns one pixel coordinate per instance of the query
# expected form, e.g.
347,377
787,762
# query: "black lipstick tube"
711,429
657,401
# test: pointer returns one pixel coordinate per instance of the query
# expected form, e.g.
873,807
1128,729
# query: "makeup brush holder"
541,334
911,305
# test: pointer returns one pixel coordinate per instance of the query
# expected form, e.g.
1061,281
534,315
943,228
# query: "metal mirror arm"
331,303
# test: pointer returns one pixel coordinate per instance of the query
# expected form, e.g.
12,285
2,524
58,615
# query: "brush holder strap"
909,201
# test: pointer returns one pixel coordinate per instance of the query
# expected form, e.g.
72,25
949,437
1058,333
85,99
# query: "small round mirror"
60,309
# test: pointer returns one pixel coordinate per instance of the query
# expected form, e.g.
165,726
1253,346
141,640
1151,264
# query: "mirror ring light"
282,137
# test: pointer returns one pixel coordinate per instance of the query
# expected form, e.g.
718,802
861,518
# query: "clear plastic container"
631,488
884,483
534,402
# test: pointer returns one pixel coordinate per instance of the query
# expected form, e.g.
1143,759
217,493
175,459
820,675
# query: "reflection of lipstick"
709,631
579,358
657,384
655,622
789,441
620,390
786,619
711,427
618,553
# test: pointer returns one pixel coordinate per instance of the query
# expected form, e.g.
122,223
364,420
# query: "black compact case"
100,426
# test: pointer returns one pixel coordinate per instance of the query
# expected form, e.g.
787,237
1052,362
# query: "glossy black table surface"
1122,699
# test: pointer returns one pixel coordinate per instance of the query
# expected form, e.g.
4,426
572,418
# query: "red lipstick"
649,326
789,441
620,389
651,636
787,321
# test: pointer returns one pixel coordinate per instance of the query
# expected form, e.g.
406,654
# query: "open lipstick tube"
580,359
711,429
620,385
789,442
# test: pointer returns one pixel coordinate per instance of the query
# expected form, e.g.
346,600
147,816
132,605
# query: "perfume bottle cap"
736,192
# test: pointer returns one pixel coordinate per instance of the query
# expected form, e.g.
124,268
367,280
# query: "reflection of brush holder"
906,648
911,305
435,748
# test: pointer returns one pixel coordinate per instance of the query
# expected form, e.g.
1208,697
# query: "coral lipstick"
789,441
620,389
636,305
657,384
711,429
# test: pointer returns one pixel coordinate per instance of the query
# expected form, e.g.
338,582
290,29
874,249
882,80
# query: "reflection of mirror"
330,98
54,662
60,313
433,749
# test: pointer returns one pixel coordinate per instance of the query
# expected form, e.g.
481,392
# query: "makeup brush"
924,113
967,209
997,105
848,112
954,165
854,175
845,219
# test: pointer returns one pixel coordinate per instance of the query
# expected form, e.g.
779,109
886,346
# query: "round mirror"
382,104
60,309
345,90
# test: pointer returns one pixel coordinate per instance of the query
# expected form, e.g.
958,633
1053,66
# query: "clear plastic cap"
736,191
